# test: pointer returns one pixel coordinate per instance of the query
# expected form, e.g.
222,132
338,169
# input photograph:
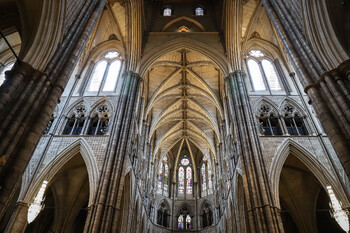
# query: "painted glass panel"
188,222
185,162
112,76
257,79
166,175
97,76
188,180
271,75
180,222
203,176
181,180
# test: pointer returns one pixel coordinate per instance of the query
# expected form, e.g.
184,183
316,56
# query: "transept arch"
318,170
79,146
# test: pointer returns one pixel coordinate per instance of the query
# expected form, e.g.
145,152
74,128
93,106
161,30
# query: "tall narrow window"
271,75
188,222
188,180
204,178
163,176
97,76
262,72
210,178
2,73
180,222
112,76
181,180
160,176
105,74
257,79
166,175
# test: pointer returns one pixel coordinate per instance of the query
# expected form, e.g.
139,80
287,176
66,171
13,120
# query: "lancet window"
163,176
294,120
185,180
75,122
184,221
162,217
99,121
262,72
206,177
2,73
269,121
105,74
207,216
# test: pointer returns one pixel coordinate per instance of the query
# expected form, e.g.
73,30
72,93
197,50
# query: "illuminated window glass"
188,222
112,76
180,222
256,53
199,11
167,11
185,162
97,76
111,54
204,178
160,176
188,180
2,74
257,79
166,175
210,179
181,180
271,75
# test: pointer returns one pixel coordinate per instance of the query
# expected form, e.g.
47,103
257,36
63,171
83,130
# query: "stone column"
104,209
18,221
328,91
262,215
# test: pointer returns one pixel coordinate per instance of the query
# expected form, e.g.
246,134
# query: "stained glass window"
204,178
257,79
181,180
210,179
271,75
188,222
188,180
166,175
2,74
97,76
160,176
185,162
180,222
112,76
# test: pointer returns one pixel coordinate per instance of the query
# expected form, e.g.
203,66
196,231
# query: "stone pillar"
18,221
328,91
262,215
103,217
28,99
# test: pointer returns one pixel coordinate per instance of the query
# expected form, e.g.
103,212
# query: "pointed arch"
101,101
54,166
76,103
183,18
290,147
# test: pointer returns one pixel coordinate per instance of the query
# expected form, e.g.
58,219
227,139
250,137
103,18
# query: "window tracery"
167,11
206,177
75,123
105,73
185,174
184,220
99,122
163,176
294,120
262,72
269,121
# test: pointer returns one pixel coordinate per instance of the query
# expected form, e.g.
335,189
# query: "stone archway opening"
66,200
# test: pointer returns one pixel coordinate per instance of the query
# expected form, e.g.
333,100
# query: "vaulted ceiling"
184,102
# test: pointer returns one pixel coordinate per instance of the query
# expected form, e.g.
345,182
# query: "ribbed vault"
184,103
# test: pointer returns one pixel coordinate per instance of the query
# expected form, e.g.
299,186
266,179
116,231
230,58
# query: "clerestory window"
199,11
185,176
2,72
163,176
262,73
206,177
105,74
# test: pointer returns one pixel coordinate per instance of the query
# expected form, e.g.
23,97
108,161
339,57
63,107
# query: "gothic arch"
101,101
294,103
317,169
184,43
80,101
267,47
51,169
263,100
106,46
183,18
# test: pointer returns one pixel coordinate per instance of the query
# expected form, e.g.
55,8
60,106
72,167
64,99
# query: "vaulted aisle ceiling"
184,102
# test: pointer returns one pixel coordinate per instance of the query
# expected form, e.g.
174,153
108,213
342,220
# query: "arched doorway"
66,200
304,202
